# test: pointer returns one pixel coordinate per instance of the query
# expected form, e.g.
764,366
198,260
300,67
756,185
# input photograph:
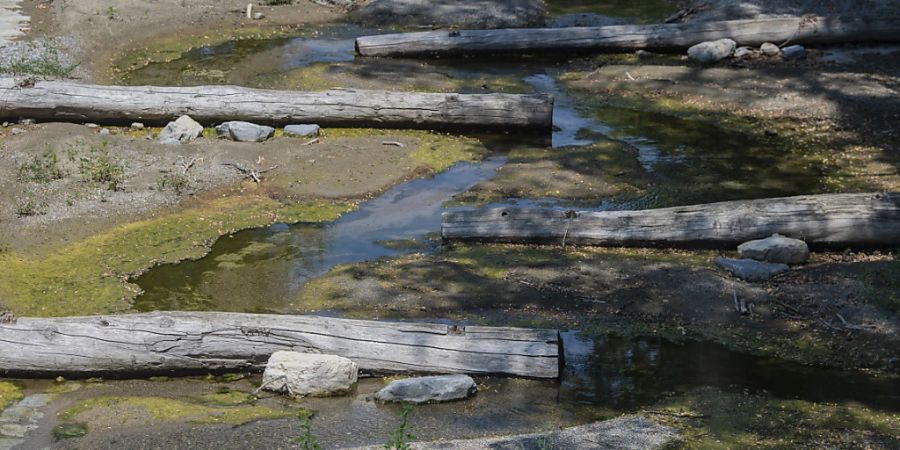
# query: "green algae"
434,151
9,392
170,410
69,430
90,276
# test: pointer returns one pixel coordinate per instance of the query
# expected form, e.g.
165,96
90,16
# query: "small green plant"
39,61
41,169
177,183
99,167
112,13
400,437
30,207
307,440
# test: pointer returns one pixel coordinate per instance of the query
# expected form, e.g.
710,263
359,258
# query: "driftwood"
189,342
661,37
64,101
830,220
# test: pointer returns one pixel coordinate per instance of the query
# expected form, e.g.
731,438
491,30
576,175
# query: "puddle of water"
262,270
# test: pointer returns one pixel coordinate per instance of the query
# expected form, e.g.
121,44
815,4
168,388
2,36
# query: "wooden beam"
200,342
829,220
65,101
660,37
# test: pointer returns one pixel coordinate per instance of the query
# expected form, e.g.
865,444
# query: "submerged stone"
182,130
428,389
751,269
244,131
776,249
302,374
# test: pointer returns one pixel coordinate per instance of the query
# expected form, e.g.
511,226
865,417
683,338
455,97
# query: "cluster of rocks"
713,51
317,375
762,259
185,129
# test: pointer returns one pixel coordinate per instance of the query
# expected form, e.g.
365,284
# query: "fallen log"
659,37
65,101
830,220
168,343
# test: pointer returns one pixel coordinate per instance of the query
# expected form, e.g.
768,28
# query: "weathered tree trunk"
830,220
188,342
752,32
64,101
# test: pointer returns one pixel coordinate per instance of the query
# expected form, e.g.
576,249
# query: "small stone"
743,52
92,125
644,54
14,131
309,374
104,132
258,16
27,122
5,124
428,389
244,131
751,269
769,49
793,52
137,126
776,249
302,130
711,51
182,130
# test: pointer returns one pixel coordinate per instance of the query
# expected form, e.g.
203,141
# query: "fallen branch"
253,174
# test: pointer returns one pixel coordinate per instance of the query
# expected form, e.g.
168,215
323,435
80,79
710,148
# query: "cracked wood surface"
65,101
829,220
199,342
750,32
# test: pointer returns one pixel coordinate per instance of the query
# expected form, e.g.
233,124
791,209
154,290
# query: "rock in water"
769,49
711,51
302,130
793,52
751,269
309,374
428,389
776,249
244,131
184,129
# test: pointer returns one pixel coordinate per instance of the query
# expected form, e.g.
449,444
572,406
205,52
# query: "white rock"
776,249
743,52
309,374
793,52
92,125
428,389
104,132
711,51
137,126
27,121
244,131
14,131
769,49
305,130
182,130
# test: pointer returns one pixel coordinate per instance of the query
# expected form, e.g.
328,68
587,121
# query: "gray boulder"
467,14
306,130
244,131
184,129
776,249
712,51
793,52
300,374
751,269
769,49
428,389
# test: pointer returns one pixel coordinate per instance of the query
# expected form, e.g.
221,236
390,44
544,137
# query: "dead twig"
272,381
186,167
395,143
311,141
683,415
253,174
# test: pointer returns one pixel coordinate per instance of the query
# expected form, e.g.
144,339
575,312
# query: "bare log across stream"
64,101
197,342
830,220
662,37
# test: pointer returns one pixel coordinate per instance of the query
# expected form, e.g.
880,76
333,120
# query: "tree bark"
831,220
197,342
661,37
64,101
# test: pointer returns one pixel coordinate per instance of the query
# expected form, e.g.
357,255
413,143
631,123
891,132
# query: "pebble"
16,131
769,49
793,52
137,126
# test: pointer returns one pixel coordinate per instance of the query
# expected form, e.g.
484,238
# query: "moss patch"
713,419
9,393
434,151
128,409
90,277
69,430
